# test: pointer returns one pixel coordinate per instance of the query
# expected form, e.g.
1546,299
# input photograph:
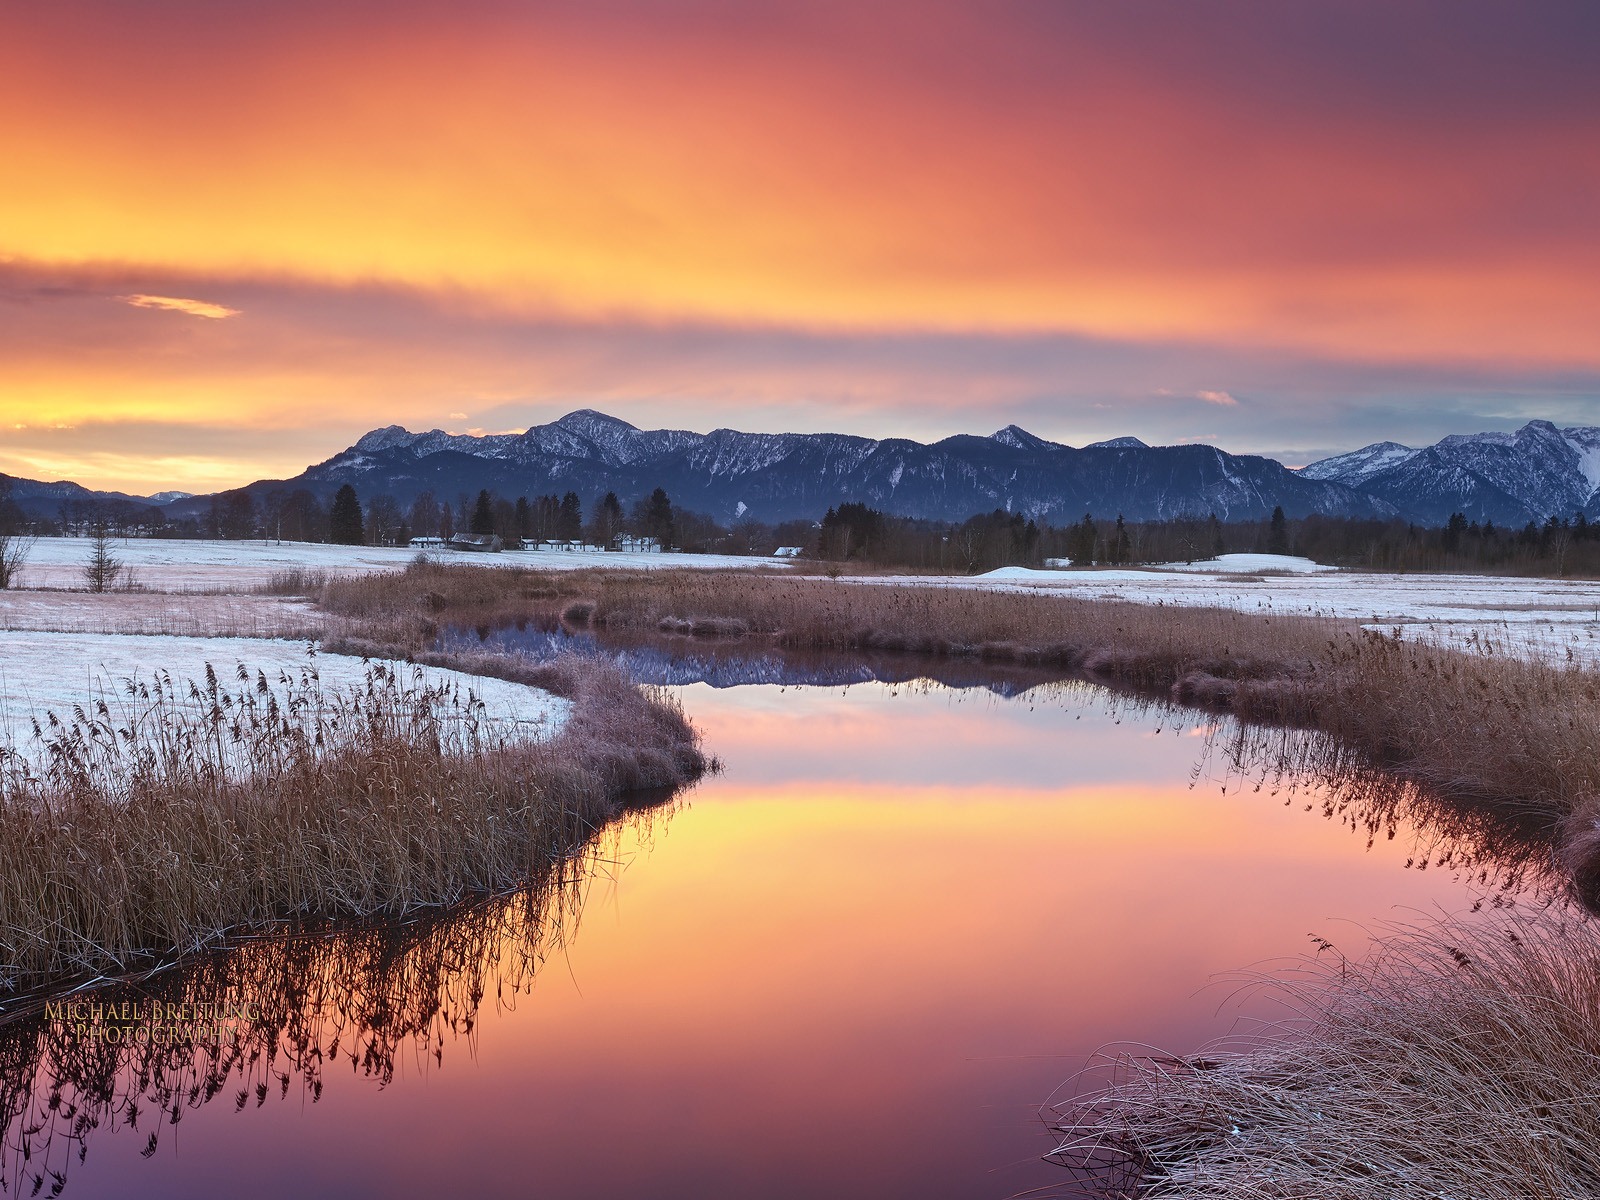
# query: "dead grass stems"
163,825
1458,1059
1479,727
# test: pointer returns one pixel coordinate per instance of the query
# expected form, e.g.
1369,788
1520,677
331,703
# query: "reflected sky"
854,964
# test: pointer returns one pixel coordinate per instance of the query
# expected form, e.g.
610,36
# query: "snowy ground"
178,565
43,672
186,613
1557,619
200,587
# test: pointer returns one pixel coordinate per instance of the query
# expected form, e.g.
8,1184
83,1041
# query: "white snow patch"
1554,619
45,672
1250,564
187,565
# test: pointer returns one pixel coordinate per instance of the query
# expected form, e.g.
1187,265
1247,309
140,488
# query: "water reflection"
855,964
678,661
266,1017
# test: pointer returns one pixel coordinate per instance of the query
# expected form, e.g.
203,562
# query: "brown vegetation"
1480,727
163,828
1458,1060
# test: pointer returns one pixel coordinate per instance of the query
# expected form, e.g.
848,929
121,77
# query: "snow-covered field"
1557,619
179,565
187,613
44,672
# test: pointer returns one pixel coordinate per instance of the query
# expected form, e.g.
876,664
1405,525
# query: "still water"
855,963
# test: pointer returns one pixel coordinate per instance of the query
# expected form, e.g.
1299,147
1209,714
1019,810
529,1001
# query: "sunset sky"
234,236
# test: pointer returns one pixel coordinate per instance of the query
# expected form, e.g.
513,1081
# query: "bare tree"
14,544
14,550
103,567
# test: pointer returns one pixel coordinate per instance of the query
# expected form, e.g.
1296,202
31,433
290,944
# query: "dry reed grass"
1480,727
1457,1060
149,837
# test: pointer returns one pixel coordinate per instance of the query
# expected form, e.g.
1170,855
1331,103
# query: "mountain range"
775,477
1509,478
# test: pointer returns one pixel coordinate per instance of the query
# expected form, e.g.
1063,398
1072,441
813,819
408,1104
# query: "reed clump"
1457,1059
160,826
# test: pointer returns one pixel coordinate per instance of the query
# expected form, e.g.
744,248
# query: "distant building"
786,552
562,546
482,543
426,543
630,543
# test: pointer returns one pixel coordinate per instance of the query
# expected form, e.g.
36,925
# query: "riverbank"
1518,735
1455,1059
223,810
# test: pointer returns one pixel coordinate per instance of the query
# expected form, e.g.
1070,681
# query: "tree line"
1555,546
1559,545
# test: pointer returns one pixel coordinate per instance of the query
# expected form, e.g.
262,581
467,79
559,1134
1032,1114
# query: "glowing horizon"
234,243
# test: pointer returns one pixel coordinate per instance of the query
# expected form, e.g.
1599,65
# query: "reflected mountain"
676,661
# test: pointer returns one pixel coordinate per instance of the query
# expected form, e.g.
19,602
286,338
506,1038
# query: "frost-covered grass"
49,677
1458,1061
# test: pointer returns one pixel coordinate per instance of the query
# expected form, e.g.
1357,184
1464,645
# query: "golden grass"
1459,1059
161,834
1484,728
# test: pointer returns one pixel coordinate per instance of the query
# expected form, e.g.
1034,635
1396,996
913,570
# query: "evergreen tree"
483,514
569,518
344,520
1080,542
658,522
1122,549
524,518
607,521
1278,534
1218,546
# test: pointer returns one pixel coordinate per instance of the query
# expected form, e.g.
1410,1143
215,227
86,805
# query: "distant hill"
38,499
774,477
1508,478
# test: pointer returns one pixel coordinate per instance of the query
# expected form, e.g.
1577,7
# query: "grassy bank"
1459,1061
157,839
1521,737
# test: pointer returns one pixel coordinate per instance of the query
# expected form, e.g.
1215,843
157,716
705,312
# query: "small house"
481,543
786,552
426,543
629,543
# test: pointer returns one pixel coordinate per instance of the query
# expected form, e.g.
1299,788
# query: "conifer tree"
344,519
483,514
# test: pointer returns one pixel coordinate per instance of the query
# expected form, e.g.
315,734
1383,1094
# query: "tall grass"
1480,727
1457,1060
164,829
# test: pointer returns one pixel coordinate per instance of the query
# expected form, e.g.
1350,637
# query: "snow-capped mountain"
1358,466
771,477
1509,478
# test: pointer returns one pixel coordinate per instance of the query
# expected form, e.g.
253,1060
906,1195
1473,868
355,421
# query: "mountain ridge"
731,474
1532,473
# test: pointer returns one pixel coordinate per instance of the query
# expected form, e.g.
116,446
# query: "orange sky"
400,212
